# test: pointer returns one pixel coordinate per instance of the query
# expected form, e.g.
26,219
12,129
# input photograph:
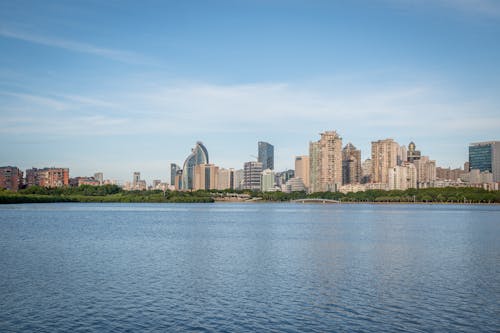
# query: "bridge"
315,200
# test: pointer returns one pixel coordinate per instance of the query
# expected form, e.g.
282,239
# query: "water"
249,267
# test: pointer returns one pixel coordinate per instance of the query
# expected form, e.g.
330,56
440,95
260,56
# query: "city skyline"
81,87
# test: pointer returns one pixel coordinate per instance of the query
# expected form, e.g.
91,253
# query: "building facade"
205,177
302,169
252,176
426,172
351,164
47,177
413,153
485,156
11,178
266,155
173,172
325,163
402,177
225,179
384,157
267,181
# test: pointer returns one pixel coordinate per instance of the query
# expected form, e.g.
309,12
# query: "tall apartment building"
205,177
251,176
325,163
384,157
351,164
266,155
426,171
302,169
238,179
402,155
11,178
47,177
366,171
225,179
485,156
402,177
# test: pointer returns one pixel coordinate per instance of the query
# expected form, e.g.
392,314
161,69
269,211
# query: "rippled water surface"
249,267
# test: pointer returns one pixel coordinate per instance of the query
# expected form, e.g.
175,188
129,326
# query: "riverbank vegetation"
113,193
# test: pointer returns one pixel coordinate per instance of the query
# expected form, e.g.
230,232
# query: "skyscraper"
173,172
325,162
199,155
266,155
485,156
351,164
384,156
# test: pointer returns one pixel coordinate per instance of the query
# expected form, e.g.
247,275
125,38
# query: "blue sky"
117,86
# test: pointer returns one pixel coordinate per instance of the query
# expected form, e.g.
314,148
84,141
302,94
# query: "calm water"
249,267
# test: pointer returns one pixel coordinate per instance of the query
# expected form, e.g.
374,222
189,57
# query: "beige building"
402,177
205,177
225,179
302,169
325,163
384,157
426,172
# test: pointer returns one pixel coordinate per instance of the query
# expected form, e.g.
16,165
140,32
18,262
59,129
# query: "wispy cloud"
75,46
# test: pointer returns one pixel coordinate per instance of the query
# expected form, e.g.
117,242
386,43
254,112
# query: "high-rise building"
325,163
485,156
11,178
267,180
413,153
366,171
199,155
225,179
402,155
251,175
173,172
426,172
266,155
402,177
205,177
384,157
302,169
351,164
238,179
47,177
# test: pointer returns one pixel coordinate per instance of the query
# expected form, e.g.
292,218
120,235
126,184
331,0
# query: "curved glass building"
199,155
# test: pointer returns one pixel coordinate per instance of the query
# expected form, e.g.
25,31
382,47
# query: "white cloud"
118,55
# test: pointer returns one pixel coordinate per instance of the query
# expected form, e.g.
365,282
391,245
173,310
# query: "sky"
124,86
